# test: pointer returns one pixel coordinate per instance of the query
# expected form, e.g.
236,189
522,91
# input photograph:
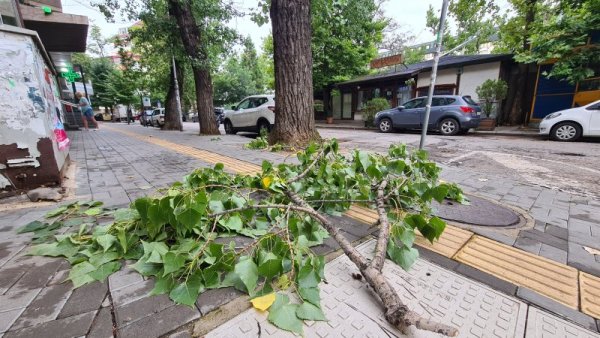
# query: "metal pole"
83,81
436,59
177,95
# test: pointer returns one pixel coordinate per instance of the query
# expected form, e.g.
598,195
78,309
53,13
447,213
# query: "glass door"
347,106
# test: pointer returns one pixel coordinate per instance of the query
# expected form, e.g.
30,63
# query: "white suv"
251,114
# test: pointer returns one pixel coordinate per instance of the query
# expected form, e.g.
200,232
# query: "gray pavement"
117,169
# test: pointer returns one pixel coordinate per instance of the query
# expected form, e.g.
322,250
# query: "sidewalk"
121,163
500,130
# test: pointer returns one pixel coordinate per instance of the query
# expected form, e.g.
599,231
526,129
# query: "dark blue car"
450,115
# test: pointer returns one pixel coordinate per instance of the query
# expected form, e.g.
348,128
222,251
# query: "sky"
411,14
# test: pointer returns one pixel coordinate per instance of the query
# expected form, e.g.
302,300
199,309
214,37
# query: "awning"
59,32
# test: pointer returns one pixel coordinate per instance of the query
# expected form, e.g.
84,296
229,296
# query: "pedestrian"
129,114
86,110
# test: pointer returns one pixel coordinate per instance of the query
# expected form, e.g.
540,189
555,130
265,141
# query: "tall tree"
293,72
233,82
515,36
249,60
97,43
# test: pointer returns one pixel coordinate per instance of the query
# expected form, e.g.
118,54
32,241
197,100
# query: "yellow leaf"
264,302
266,181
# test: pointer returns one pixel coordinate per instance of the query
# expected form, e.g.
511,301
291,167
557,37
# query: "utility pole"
177,100
436,60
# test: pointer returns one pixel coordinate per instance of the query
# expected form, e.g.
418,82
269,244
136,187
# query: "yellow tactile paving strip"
557,281
589,287
230,163
554,280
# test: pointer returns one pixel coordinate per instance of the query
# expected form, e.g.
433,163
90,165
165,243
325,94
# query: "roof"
447,61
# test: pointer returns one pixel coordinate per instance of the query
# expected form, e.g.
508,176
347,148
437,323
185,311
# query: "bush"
373,107
491,92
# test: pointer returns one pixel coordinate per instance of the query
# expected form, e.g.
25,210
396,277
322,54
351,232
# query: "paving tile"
141,308
132,292
529,245
212,299
437,258
553,253
7,318
589,286
45,307
17,299
124,277
487,279
552,279
542,324
556,308
38,274
545,238
160,323
75,326
557,231
84,299
579,258
102,327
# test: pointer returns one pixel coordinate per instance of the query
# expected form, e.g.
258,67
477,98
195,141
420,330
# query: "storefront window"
8,13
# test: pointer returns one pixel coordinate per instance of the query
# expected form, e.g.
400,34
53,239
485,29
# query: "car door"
437,110
237,115
594,111
248,114
410,115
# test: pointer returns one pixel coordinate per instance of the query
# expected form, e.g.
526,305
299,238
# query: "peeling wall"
29,113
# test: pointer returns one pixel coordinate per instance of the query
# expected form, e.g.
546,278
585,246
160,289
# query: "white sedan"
571,124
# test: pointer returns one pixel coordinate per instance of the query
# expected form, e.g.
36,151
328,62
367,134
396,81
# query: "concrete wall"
474,76
29,113
444,76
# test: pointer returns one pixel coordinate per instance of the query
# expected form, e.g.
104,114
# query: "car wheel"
385,125
262,124
566,131
229,128
449,127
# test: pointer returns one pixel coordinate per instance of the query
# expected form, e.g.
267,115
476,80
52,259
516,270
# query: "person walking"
129,114
86,110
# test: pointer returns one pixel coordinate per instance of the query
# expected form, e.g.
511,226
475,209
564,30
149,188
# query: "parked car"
450,115
219,111
146,118
158,117
571,124
251,114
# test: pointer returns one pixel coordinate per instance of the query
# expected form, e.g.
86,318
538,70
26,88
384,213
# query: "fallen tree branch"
396,312
384,229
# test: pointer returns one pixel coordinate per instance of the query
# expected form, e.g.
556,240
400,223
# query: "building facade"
36,42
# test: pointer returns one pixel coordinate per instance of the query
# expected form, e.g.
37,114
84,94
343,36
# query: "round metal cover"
479,212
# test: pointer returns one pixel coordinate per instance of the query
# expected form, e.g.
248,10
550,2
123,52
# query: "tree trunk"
191,38
516,113
172,118
295,123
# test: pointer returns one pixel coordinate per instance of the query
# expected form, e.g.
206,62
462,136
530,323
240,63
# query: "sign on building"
146,101
387,61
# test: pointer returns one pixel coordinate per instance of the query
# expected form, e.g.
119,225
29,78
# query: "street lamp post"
436,60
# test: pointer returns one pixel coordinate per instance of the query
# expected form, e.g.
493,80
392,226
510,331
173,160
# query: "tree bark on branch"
396,312
172,118
181,10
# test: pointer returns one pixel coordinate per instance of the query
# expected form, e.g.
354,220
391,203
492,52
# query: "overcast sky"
411,14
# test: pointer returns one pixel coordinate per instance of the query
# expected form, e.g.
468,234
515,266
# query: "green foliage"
561,34
180,237
345,35
261,142
373,107
491,92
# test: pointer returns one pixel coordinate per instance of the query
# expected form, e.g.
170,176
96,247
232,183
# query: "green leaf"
32,226
364,159
63,248
308,311
405,257
105,270
79,274
187,292
189,217
100,259
270,266
125,214
308,277
106,241
438,227
56,212
93,211
146,269
142,205
73,222
172,262
247,271
234,223
283,315
438,193
162,285
310,295
216,206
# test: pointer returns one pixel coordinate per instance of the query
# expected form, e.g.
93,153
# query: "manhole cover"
479,212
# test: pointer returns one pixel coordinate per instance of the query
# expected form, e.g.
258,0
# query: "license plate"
478,113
